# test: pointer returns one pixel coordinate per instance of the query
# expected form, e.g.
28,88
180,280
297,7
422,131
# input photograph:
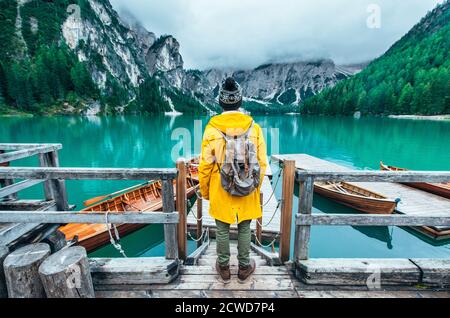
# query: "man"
232,167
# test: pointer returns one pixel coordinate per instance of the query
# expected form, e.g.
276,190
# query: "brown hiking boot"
224,273
245,272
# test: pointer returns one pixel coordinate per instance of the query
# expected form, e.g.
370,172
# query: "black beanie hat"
230,95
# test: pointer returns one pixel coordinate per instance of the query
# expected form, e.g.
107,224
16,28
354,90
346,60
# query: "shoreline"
420,117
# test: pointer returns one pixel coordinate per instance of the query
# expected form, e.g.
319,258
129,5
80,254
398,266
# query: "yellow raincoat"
223,206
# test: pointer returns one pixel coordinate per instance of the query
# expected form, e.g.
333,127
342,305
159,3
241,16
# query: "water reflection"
144,141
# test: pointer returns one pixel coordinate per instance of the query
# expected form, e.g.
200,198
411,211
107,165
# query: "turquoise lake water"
144,141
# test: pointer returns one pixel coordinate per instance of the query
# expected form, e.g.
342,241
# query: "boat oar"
95,200
103,197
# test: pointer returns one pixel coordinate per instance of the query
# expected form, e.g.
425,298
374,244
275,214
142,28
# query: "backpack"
240,170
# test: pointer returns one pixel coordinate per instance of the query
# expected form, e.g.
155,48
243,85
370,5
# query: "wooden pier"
413,202
51,271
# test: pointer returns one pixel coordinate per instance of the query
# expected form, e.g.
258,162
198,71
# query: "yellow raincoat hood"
223,206
232,123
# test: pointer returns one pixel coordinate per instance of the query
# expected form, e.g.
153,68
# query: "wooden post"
7,182
3,290
66,274
303,232
260,220
44,161
21,271
199,220
58,187
181,208
287,198
170,230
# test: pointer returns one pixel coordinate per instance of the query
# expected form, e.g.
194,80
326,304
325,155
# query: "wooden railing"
305,219
54,178
48,157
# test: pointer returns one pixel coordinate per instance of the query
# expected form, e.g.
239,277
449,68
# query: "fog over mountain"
245,34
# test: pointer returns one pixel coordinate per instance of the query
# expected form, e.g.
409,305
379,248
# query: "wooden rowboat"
141,198
441,189
356,197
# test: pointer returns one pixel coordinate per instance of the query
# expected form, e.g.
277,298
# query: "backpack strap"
247,133
224,136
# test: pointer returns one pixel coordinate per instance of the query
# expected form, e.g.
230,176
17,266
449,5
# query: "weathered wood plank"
133,271
272,259
92,218
372,220
19,146
19,186
58,186
24,205
199,229
371,294
210,282
303,232
170,230
66,274
195,256
376,176
122,294
11,232
21,271
358,272
7,182
26,152
435,272
233,261
44,161
224,294
211,270
180,294
4,251
86,173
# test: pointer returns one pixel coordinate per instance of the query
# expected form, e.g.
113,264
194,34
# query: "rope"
195,217
190,211
273,215
270,244
274,188
114,242
199,239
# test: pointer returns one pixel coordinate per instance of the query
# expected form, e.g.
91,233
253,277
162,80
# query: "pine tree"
82,81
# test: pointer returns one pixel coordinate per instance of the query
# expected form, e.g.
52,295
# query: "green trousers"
223,243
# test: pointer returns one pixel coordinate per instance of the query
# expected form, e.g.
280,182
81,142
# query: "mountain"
80,56
412,77
276,86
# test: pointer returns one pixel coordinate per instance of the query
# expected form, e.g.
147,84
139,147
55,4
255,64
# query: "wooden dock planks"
413,201
277,281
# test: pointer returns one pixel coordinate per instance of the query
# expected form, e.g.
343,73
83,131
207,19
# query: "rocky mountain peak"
164,55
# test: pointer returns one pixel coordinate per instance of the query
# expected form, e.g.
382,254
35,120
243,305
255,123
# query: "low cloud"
247,33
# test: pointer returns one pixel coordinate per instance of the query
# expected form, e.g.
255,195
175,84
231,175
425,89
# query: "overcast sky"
247,33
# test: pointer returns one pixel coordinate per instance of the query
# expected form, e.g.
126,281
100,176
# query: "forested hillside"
68,56
412,77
